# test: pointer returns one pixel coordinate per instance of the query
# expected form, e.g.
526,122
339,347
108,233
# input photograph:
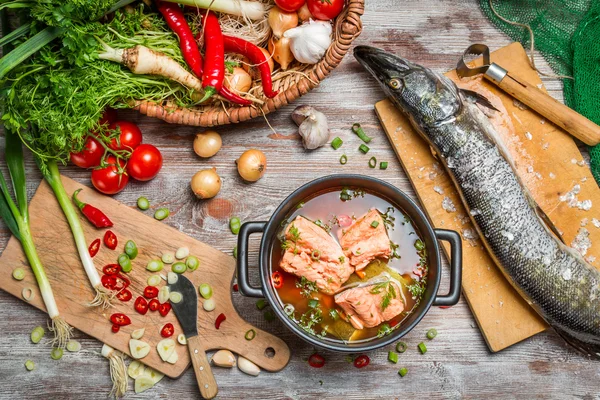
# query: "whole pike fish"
553,278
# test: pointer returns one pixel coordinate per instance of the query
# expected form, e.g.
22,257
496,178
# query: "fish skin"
554,279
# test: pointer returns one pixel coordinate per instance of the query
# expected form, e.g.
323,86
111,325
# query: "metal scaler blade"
493,71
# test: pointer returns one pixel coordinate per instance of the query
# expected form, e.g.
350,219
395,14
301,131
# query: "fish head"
427,97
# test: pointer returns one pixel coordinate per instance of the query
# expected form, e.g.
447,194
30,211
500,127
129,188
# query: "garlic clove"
138,333
310,41
248,367
313,128
223,358
153,374
142,384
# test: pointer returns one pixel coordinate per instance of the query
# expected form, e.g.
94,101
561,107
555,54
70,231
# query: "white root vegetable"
142,384
310,41
163,294
118,371
173,358
181,339
243,8
153,374
313,126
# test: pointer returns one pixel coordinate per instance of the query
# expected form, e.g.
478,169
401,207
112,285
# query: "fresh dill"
388,290
326,227
307,288
388,218
394,247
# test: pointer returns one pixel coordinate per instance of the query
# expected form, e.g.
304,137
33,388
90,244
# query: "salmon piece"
362,243
364,306
303,240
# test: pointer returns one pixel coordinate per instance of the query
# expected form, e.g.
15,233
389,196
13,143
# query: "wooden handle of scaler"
545,105
204,376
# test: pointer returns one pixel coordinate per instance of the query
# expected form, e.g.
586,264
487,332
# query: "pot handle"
246,230
455,241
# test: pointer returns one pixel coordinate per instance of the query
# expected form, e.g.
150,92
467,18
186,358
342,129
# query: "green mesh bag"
567,34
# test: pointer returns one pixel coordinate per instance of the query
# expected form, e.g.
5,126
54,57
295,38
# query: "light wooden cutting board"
72,290
550,165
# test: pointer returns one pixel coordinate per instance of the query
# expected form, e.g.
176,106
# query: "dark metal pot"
429,235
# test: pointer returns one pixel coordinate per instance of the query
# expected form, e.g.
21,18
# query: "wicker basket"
346,28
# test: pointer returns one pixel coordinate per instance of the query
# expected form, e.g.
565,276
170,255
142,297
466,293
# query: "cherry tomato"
120,319
344,220
362,361
153,305
94,247
220,320
141,305
129,138
167,330
164,309
111,269
108,180
109,281
108,116
277,280
325,9
124,295
316,361
91,154
150,292
290,5
145,162
115,328
110,240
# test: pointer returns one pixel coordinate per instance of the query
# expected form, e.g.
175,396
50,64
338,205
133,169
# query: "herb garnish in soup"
351,265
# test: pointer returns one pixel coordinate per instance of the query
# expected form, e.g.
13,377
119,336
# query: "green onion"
383,165
401,347
374,224
154,280
125,262
168,257
175,297
419,245
432,333
234,225
289,309
205,291
161,213
18,274
356,128
143,203
393,356
251,334
155,266
269,316
422,348
56,353
10,37
192,263
235,252
372,162
337,143
261,304
73,346
364,148
131,249
313,303
37,334
179,268
402,372
315,255
29,365
343,159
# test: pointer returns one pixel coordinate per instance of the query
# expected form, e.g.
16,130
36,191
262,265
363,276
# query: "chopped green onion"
261,304
18,274
205,290
419,245
179,268
383,165
356,128
192,263
374,224
372,162
73,346
432,333
251,334
29,365
337,143
131,249
143,203
401,347
315,255
289,309
154,280
175,297
168,257
393,356
422,348
402,372
37,334
125,262
313,303
155,266
343,159
182,253
364,148
56,353
161,213
235,252
209,304
234,225
269,316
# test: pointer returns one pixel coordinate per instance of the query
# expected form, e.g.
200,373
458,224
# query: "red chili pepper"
111,269
141,305
153,305
256,57
362,361
235,287
110,240
214,56
316,361
445,307
115,328
120,319
95,216
109,281
94,247
164,309
277,280
167,330
150,292
220,320
124,295
121,282
393,323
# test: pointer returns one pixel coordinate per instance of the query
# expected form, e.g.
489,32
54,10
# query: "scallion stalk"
337,143
364,148
356,128
253,10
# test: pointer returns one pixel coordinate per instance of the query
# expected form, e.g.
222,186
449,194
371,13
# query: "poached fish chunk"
365,240
312,253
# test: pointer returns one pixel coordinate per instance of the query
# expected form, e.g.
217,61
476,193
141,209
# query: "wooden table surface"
457,364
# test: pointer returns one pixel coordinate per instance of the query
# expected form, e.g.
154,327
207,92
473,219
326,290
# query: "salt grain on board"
438,189
582,241
448,205
528,135
573,161
552,175
596,222
545,146
571,199
584,222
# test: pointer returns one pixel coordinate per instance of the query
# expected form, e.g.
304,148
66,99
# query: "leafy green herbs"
417,289
293,241
388,290
323,225
349,194
388,218
384,330
394,247
307,288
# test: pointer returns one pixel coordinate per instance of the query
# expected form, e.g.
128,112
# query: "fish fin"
478,99
589,347
544,217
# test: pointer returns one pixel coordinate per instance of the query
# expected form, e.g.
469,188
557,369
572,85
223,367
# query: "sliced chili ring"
153,305
120,319
115,328
150,292
111,269
164,309
167,330
316,361
362,361
220,320
277,279
141,305
124,295
109,281
94,247
110,240
121,282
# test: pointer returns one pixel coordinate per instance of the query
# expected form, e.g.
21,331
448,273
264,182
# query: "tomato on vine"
90,156
129,138
112,178
145,162
325,9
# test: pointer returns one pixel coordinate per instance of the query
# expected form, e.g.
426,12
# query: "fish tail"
589,345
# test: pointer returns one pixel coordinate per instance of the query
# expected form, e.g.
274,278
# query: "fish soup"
348,265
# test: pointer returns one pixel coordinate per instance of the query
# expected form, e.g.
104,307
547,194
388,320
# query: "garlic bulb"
310,41
313,126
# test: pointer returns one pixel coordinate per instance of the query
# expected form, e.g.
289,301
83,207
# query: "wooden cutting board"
72,290
549,163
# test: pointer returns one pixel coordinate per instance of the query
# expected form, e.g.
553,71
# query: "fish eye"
394,83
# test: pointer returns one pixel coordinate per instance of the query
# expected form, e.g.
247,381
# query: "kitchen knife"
186,312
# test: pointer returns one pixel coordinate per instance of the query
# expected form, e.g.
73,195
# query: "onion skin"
304,13
252,165
207,143
206,183
281,51
253,71
239,81
280,21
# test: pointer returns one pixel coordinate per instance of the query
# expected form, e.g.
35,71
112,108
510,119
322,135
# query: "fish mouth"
382,65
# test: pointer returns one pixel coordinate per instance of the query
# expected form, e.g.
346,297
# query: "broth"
407,264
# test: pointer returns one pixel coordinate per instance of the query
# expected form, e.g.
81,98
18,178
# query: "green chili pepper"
179,268
192,263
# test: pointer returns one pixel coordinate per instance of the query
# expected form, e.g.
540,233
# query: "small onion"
206,183
238,81
304,13
207,143
252,165
252,69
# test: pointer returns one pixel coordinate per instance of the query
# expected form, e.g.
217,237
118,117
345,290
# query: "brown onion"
252,69
207,143
281,51
206,183
280,21
252,165
304,13
238,81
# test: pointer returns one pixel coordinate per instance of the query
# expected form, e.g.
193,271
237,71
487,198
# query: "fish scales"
560,285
